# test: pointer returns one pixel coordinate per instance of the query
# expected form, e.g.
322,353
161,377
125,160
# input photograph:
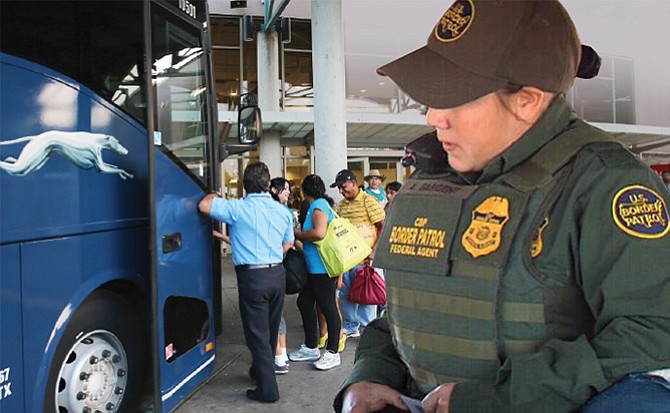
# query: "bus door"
181,125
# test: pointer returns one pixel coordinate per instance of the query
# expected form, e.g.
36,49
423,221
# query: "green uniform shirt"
606,238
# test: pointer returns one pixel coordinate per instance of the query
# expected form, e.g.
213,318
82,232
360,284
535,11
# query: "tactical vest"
462,294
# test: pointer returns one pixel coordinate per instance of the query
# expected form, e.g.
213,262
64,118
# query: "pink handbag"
368,287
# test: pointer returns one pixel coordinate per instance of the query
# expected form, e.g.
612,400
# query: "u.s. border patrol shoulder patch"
640,212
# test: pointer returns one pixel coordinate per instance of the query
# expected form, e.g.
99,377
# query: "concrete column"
268,97
330,122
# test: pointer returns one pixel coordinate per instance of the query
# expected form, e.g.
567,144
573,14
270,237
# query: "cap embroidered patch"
455,21
640,212
483,235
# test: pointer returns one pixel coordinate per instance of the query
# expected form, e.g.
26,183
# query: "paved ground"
303,389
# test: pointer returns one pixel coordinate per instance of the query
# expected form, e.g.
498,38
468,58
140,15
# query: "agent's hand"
366,397
438,400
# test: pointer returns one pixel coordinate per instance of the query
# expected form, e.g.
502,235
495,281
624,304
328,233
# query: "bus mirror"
225,150
250,128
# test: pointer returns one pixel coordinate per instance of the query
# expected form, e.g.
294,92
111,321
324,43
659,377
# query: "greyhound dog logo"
83,149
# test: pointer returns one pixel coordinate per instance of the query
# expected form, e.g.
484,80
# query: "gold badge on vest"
537,244
483,236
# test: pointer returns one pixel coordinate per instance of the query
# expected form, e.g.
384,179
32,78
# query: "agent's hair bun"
589,65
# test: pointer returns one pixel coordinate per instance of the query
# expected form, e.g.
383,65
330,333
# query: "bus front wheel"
99,363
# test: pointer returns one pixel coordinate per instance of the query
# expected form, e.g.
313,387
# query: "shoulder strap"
330,207
333,211
554,155
540,168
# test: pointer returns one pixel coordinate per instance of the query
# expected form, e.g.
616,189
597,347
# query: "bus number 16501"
187,8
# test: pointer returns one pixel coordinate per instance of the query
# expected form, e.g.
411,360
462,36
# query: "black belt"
256,266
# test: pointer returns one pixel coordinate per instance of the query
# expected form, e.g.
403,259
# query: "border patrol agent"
532,272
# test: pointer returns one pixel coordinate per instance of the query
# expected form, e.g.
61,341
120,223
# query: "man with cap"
530,274
367,215
374,180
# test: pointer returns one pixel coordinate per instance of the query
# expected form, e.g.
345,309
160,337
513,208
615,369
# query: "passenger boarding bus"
107,143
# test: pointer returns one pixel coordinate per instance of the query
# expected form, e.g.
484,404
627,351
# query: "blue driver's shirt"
258,225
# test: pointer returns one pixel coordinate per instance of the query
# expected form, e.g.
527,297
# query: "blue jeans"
354,315
636,393
282,324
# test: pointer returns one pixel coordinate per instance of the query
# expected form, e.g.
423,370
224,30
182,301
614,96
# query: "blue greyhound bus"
107,143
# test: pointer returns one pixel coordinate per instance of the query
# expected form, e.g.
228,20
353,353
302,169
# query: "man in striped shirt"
367,215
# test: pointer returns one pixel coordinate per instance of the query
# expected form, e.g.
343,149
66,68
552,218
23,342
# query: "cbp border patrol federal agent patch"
640,212
455,21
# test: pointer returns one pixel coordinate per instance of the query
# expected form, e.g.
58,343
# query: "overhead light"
238,4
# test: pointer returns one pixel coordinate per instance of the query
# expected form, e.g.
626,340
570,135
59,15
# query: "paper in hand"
413,404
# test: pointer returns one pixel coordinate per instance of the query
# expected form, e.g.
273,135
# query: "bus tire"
100,361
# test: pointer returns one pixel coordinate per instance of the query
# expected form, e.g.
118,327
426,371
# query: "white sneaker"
352,334
327,361
305,354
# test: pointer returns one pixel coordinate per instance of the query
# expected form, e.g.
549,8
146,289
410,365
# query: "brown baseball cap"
480,46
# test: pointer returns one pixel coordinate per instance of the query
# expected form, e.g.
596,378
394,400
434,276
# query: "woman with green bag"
321,287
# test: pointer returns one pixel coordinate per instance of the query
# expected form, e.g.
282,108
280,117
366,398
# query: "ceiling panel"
395,130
